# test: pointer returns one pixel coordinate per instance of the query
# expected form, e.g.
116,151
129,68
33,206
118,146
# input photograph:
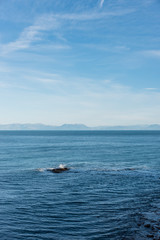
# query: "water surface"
111,191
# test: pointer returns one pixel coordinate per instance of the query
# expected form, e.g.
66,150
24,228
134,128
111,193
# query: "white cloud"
4,68
50,47
86,16
101,3
78,99
151,89
107,81
152,53
46,80
5,85
31,34
34,33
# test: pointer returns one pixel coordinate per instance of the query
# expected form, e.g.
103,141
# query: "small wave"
116,169
149,224
40,169
61,166
128,169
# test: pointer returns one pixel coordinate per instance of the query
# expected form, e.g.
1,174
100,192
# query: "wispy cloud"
101,3
4,68
50,47
31,34
48,22
85,99
4,85
47,80
15,86
107,48
151,89
88,16
152,53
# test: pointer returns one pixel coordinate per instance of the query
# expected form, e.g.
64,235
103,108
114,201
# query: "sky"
95,62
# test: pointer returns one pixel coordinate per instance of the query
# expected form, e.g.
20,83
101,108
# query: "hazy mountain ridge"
39,126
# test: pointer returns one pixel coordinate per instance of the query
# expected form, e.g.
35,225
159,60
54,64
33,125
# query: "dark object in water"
58,170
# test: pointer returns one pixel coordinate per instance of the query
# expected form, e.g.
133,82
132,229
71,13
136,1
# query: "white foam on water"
40,169
62,166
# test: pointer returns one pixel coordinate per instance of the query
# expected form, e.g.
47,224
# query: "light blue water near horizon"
111,191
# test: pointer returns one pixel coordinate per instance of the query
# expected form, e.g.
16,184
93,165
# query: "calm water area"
112,190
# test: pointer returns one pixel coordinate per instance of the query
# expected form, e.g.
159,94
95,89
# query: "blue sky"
95,62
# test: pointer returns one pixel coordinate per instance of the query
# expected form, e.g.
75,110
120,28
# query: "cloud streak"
31,34
87,101
101,3
90,16
55,22
152,53
151,89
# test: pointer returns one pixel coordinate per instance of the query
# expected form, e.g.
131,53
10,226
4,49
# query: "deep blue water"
111,191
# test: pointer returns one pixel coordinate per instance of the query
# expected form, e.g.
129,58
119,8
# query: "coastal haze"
79,127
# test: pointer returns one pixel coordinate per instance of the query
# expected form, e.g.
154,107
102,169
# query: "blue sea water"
112,190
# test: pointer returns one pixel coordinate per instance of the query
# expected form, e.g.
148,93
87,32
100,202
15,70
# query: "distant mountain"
131,127
73,127
39,126
27,126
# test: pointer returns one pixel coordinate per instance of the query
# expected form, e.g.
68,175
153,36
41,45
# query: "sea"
111,190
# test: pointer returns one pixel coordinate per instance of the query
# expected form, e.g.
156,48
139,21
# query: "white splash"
62,166
40,169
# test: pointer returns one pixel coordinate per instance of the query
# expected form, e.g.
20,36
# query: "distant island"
80,127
